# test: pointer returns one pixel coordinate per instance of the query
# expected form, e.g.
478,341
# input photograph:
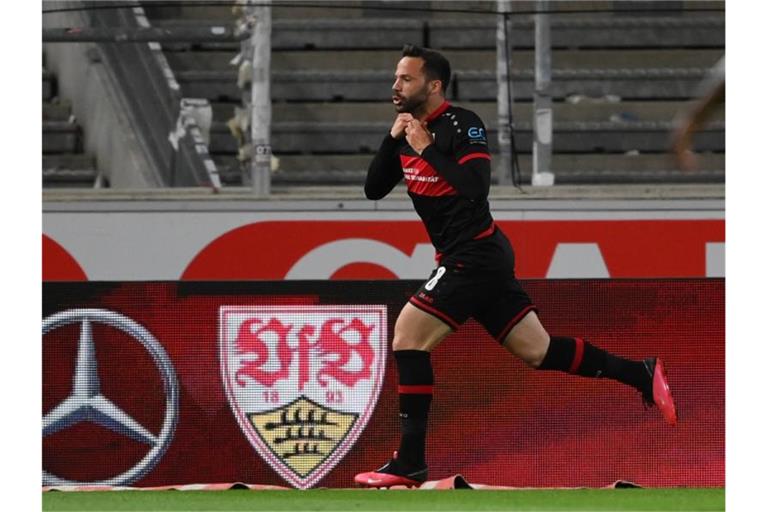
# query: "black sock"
580,357
415,391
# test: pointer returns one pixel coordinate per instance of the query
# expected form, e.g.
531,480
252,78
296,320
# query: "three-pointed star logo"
86,402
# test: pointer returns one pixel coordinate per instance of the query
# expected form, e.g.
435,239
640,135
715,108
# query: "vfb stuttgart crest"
303,380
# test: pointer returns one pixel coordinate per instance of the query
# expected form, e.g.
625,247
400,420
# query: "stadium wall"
293,383
209,294
275,240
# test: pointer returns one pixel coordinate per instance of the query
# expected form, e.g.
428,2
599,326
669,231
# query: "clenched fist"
417,135
398,128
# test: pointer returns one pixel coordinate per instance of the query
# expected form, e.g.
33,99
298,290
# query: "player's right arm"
385,171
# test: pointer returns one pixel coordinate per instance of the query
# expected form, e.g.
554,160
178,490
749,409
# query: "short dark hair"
436,66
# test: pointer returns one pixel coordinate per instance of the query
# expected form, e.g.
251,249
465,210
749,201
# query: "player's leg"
416,334
418,330
512,319
441,305
529,341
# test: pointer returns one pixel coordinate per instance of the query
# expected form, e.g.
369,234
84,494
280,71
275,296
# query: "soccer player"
442,153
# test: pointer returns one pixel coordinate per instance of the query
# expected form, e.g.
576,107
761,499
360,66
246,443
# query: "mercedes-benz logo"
87,403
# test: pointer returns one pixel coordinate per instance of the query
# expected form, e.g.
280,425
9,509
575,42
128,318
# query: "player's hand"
685,158
417,135
398,128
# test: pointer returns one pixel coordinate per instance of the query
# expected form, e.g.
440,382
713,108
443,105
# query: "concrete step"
383,111
80,178
473,60
61,137
357,9
467,33
69,170
574,163
367,75
595,32
69,162
352,9
568,169
58,111
579,136
357,86
206,12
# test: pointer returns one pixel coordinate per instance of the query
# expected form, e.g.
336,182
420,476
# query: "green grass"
361,500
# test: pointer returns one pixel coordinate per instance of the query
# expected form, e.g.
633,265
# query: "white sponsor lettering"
324,260
428,179
577,261
412,174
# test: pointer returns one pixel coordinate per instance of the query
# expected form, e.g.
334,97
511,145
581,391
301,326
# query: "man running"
442,153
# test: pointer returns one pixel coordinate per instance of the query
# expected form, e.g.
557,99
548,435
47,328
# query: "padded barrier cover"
494,420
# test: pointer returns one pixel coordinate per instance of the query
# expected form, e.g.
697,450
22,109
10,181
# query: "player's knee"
530,350
404,343
536,355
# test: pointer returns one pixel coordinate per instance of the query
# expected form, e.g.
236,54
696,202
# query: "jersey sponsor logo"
422,179
476,133
412,174
302,381
426,179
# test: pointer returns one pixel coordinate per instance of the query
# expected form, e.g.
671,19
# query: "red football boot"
658,392
394,472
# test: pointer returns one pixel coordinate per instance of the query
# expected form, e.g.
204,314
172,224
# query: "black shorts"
479,282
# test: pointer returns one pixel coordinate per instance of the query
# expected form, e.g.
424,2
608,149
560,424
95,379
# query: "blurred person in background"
711,99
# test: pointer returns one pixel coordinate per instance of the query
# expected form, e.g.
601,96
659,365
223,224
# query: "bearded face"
411,88
411,103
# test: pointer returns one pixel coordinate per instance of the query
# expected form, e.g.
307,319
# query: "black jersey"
448,183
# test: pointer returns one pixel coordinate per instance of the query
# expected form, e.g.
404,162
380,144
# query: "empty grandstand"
618,79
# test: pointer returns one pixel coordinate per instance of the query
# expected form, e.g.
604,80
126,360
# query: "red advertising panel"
384,249
293,383
58,264
235,246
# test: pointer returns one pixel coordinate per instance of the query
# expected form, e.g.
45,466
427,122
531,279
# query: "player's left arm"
468,170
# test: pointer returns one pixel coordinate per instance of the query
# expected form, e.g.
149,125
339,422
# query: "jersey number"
432,282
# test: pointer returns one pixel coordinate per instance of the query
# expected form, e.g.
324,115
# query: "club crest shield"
302,381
